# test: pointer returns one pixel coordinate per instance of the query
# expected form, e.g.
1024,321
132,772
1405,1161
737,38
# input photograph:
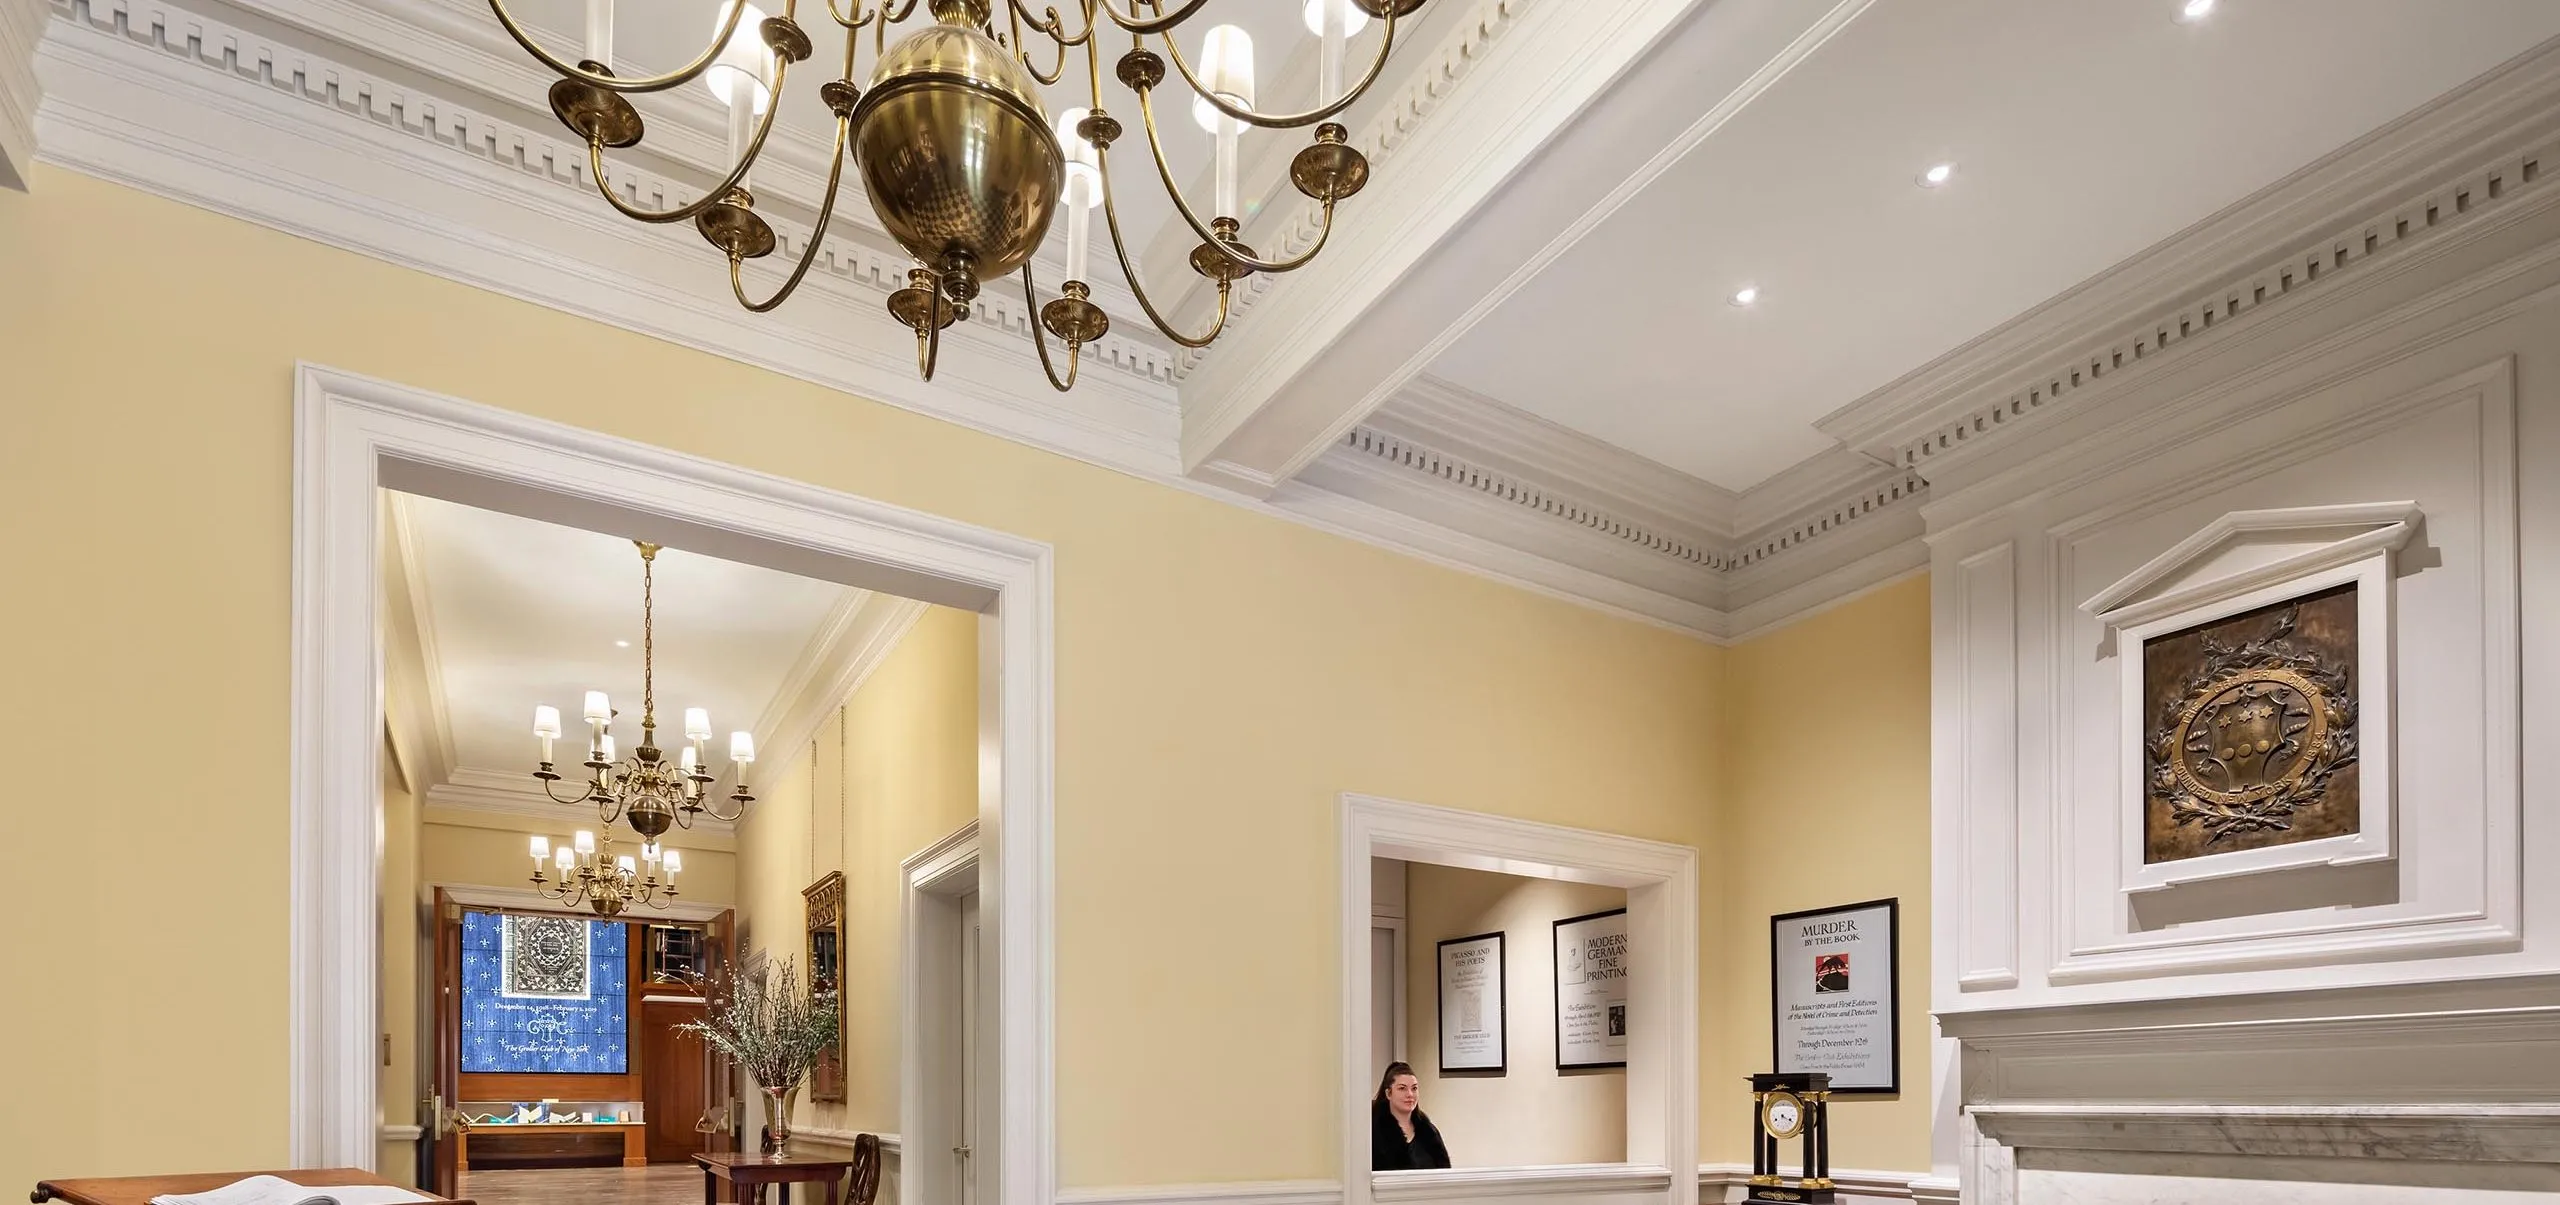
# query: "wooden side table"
747,1175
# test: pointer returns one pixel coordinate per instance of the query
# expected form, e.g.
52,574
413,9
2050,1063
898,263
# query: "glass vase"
777,1114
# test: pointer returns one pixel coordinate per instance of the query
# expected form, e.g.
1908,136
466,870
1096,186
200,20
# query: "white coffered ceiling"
2081,134
1516,355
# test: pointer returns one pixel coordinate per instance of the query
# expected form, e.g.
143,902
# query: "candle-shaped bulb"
604,749
585,841
742,77
599,708
1335,22
541,849
1084,191
697,724
742,747
1226,70
546,722
600,32
564,859
674,862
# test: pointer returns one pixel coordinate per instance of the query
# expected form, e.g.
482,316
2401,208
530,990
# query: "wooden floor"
663,1184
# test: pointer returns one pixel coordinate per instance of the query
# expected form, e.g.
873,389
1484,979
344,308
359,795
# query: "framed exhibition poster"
1591,991
1835,988
1471,1022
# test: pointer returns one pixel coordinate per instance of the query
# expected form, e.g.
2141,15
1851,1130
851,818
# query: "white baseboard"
1262,1192
401,1133
1716,1183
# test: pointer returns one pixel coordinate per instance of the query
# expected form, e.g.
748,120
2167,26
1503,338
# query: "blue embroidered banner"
544,994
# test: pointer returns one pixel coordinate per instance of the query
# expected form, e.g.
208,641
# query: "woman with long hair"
1401,1136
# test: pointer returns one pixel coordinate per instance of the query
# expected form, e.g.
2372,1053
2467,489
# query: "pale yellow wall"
1220,677
1532,1113
489,849
1827,803
401,918
891,772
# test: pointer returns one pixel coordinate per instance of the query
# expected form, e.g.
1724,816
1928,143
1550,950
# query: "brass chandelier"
646,790
959,156
593,876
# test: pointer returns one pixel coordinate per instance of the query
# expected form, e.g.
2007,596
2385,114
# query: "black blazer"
1389,1152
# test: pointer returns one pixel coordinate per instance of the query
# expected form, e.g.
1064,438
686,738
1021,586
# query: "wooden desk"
138,1190
635,1136
747,1175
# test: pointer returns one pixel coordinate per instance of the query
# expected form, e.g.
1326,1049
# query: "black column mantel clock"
1783,1106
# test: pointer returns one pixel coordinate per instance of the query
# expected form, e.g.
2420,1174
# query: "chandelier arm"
652,83
1040,338
1228,247
1155,24
1021,52
1284,121
860,18
587,796
928,345
719,192
1129,272
817,233
1055,24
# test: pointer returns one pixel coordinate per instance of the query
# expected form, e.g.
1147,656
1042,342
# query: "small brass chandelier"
959,156
646,790
593,876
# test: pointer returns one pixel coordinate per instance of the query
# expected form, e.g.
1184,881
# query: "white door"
971,1045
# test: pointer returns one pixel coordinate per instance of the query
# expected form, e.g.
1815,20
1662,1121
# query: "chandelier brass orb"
957,154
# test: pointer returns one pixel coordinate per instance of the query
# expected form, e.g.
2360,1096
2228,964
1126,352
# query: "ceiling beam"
1476,204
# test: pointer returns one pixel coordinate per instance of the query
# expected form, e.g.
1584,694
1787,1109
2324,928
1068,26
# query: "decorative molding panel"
1983,722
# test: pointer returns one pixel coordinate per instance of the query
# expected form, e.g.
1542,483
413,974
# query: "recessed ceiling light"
1938,173
622,644
2194,10
1746,295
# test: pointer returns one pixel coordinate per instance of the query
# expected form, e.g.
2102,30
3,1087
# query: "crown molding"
2441,167
21,93
410,649
853,641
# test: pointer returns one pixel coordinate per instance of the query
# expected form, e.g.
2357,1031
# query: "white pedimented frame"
354,435
2138,608
1661,881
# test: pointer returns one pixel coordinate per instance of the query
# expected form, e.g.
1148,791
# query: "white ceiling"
2082,133
520,612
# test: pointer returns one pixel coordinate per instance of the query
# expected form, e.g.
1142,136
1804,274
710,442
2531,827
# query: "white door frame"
936,878
354,434
1661,881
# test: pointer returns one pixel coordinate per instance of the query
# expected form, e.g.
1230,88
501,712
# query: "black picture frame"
1893,1000
1555,984
1501,1003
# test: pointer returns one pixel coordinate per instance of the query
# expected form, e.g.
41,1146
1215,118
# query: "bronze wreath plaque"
2252,736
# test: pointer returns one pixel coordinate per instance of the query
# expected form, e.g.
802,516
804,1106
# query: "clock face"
1782,1115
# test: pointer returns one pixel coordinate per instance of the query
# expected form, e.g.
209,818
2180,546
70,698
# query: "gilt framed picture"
1472,1032
1835,990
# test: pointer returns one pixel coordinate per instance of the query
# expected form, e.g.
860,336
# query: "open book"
276,1190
